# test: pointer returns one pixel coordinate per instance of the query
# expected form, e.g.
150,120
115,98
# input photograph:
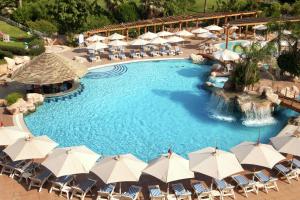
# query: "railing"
24,28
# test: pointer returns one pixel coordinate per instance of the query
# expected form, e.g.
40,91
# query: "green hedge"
43,26
5,54
13,98
35,47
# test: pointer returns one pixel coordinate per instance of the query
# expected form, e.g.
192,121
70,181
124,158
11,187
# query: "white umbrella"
120,168
175,39
139,42
184,33
30,148
169,167
234,28
71,160
116,36
158,40
164,34
226,55
117,43
287,144
215,163
208,35
97,46
214,28
200,30
95,38
260,27
10,134
255,153
148,36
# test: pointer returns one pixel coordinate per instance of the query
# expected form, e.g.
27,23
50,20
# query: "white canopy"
116,36
120,168
184,33
200,30
97,46
10,134
208,35
158,40
214,28
148,36
169,167
30,148
226,55
117,43
253,153
214,163
164,34
260,27
95,38
175,39
139,42
287,144
71,160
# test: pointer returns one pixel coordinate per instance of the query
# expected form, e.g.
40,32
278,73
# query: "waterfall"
258,116
220,109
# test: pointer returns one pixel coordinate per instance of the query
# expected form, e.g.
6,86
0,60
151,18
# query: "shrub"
43,26
13,97
14,49
289,62
127,12
36,47
94,22
5,54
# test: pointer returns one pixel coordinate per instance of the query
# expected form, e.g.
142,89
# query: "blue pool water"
232,44
144,108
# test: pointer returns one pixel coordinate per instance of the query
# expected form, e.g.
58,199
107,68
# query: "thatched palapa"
49,68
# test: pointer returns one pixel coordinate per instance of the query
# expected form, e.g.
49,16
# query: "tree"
70,14
247,72
112,5
127,12
290,62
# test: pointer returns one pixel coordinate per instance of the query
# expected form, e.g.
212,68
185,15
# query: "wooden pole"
127,34
246,32
227,35
145,29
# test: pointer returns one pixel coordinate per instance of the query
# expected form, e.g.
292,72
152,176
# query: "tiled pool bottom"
151,107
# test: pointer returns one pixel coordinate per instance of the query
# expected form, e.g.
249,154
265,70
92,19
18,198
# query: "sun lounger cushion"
222,184
180,190
86,184
132,192
242,180
200,188
155,192
282,168
63,179
296,162
263,177
109,188
42,176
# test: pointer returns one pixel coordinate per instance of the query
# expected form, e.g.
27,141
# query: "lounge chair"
111,56
289,174
106,192
39,180
181,192
245,184
19,170
122,55
27,173
143,54
295,163
133,54
9,167
171,52
225,188
59,183
132,193
267,181
82,188
202,191
163,52
178,51
155,193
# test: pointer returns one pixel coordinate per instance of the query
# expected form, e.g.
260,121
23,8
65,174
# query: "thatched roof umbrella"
49,68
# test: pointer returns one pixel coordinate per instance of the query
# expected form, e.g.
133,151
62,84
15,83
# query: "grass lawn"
13,44
13,31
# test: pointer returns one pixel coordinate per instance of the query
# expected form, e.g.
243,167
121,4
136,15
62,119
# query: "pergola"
182,20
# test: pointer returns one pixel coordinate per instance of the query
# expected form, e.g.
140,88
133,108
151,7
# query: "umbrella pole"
167,188
120,190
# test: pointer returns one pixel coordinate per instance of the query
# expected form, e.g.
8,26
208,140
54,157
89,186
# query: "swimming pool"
232,44
144,108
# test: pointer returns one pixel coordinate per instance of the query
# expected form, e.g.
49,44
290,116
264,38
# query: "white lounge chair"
155,193
267,181
106,191
9,167
82,188
225,188
59,183
132,193
39,180
202,191
288,174
245,184
181,192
